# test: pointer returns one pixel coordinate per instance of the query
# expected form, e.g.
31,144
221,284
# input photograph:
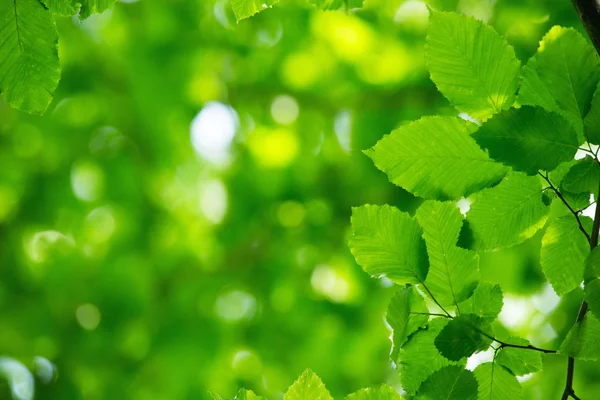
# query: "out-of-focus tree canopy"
177,222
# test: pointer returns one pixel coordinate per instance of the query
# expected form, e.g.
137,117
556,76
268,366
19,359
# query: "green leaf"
563,75
497,383
453,272
29,71
450,383
507,214
471,64
563,253
65,8
388,242
486,302
406,313
244,394
463,336
582,340
591,122
592,281
247,8
89,7
436,158
519,361
419,358
383,392
307,387
583,176
528,139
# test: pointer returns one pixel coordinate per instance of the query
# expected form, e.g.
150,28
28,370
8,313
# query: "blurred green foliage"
177,222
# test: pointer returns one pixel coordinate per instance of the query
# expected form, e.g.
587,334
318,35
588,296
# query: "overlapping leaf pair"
511,154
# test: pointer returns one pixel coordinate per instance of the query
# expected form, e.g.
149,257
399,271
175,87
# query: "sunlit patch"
591,210
481,10
88,316
330,283
464,205
342,127
554,33
349,37
100,224
547,300
20,380
530,231
87,181
479,358
235,305
391,63
273,148
516,312
212,132
284,109
44,369
525,378
413,14
291,214
467,117
205,87
213,200
299,70
41,246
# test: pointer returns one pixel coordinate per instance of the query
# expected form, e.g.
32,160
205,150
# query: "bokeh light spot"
235,305
213,200
212,132
284,109
88,316
291,214
273,148
87,181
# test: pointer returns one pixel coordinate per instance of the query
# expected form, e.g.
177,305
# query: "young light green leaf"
388,242
449,383
29,71
336,4
247,8
419,358
507,214
436,158
383,392
486,302
64,8
497,383
89,7
519,361
582,340
563,253
307,387
244,394
591,122
471,64
583,176
453,272
406,313
528,139
592,281
563,75
463,336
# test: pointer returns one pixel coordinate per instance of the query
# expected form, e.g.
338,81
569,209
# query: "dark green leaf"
485,302
463,336
528,139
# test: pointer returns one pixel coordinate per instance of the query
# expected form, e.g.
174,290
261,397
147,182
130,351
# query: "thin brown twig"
566,203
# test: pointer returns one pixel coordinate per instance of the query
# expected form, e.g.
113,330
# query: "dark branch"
589,14
516,346
566,203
